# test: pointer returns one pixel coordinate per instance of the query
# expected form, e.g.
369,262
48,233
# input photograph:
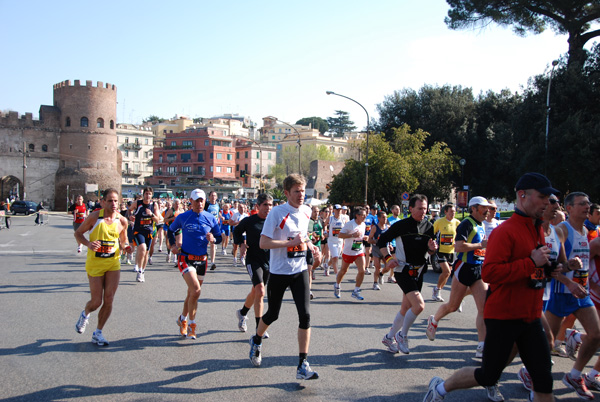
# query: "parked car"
23,207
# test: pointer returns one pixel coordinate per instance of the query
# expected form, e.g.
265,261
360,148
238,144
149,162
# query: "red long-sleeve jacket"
508,267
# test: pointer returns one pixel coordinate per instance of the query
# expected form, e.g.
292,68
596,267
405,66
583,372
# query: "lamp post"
367,151
462,164
554,64
299,144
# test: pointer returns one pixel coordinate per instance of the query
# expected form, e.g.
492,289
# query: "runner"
226,216
446,227
285,233
335,243
353,235
194,230
237,218
170,215
376,230
107,236
213,207
79,212
145,214
257,260
414,239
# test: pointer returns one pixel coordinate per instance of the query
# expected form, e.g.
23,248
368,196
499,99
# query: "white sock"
480,344
593,373
357,289
575,373
192,321
397,325
441,389
98,331
577,337
408,322
182,318
85,315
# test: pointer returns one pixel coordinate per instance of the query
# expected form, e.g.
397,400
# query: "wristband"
534,264
388,258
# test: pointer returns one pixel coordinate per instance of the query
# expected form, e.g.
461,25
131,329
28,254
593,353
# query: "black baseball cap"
536,181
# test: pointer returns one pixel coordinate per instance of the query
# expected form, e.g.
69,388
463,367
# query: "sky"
255,58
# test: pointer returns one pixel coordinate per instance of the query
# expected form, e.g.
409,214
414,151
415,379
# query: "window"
44,148
211,155
126,153
137,141
201,157
341,150
172,170
100,122
137,154
268,155
216,143
229,170
126,168
68,122
201,170
211,168
237,155
171,158
227,144
146,141
112,125
89,146
246,167
160,158
206,143
273,137
186,157
84,122
237,168
258,154
246,154
229,157
146,155
218,169
219,156
257,168
188,144
173,143
31,148
126,140
186,169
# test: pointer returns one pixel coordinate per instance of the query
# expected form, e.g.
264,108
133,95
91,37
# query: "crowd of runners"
531,277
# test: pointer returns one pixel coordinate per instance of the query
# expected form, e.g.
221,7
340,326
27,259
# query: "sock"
575,374
396,326
593,373
434,321
257,321
85,315
577,337
183,317
257,340
441,389
409,320
244,311
557,343
357,289
192,322
337,286
98,331
302,357
480,344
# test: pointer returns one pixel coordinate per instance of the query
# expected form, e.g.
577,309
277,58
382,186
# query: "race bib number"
106,250
226,222
298,251
479,254
335,232
446,240
146,221
581,277
357,245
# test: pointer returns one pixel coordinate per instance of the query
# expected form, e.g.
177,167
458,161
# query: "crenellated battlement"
88,83
12,119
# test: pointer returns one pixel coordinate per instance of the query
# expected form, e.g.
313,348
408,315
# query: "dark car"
23,207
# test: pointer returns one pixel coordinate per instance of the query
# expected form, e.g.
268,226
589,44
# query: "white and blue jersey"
576,245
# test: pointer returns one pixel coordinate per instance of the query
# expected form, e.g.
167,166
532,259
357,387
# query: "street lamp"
299,144
462,164
554,64
367,152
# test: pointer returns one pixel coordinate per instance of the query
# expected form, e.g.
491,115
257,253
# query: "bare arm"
462,246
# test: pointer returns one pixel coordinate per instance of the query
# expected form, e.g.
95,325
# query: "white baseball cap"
479,201
337,206
197,193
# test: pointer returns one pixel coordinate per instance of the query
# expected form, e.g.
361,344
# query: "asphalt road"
43,289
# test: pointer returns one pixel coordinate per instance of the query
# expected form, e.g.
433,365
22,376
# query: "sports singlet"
553,244
143,221
108,255
576,245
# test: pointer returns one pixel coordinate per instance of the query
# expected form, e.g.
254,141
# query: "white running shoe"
255,353
336,291
140,277
223,252
571,344
431,329
493,393
525,378
81,323
432,394
304,372
402,343
149,260
479,351
380,280
391,344
367,271
242,321
356,294
376,286
436,296
79,249
99,339
592,382
136,268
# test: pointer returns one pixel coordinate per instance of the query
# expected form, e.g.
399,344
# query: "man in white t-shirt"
335,243
285,234
237,218
353,235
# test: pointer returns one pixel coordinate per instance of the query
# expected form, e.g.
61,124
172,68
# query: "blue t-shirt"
194,228
391,220
370,220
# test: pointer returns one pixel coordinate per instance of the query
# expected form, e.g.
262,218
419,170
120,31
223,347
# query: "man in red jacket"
514,269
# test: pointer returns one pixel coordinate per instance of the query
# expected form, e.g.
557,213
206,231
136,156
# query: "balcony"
132,145
130,173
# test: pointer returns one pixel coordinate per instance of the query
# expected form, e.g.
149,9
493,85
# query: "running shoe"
380,280
431,329
572,344
391,279
136,268
255,353
191,331
336,291
235,262
243,262
81,323
402,343
391,344
525,378
129,262
304,372
479,351
460,308
213,266
265,335
311,295
559,350
313,274
578,385
432,394
326,273
493,393
592,382
376,286
182,326
99,339
140,277
149,260
168,257
242,321
356,294
436,296
223,252
160,250
367,271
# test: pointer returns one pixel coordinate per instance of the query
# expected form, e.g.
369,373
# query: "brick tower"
89,156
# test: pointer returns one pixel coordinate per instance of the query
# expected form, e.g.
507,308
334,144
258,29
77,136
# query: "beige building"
136,144
175,125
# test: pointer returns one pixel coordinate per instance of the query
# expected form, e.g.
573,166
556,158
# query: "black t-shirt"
415,238
253,226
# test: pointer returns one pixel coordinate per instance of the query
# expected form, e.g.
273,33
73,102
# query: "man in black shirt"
257,259
414,239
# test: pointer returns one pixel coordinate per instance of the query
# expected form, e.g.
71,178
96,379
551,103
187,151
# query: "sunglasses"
553,201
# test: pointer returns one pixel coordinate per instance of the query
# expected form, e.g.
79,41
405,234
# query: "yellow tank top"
109,253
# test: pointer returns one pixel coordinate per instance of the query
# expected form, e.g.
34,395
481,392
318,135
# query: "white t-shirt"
354,246
489,226
335,226
285,222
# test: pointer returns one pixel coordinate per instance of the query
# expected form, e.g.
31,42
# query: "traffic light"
242,173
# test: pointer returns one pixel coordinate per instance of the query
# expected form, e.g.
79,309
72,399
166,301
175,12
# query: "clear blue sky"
256,58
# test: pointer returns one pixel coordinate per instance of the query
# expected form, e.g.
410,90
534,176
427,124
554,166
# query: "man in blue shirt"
194,230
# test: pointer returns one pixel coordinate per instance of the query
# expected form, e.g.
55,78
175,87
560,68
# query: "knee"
304,321
418,308
94,304
270,318
259,292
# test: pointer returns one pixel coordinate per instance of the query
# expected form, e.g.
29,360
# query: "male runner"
144,214
470,243
107,236
257,259
237,218
212,207
414,239
446,227
513,267
395,217
79,212
194,230
226,216
335,243
353,235
285,234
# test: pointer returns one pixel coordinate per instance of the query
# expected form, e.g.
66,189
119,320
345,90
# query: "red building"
194,157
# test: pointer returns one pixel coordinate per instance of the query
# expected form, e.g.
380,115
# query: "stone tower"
89,157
